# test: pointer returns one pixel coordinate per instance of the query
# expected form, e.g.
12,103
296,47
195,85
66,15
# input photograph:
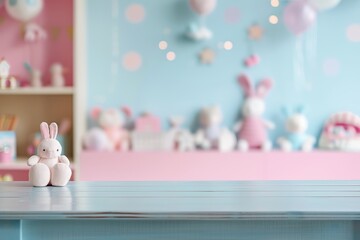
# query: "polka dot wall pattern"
135,13
132,61
353,32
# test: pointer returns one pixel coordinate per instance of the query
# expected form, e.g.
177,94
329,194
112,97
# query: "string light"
273,19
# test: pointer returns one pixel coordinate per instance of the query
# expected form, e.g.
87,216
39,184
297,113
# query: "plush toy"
341,132
181,139
57,75
112,123
212,135
49,166
252,130
296,138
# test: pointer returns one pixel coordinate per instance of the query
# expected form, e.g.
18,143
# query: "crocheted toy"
341,132
296,126
252,130
49,166
212,135
112,123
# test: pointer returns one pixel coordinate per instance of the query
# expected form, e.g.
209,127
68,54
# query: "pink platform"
190,166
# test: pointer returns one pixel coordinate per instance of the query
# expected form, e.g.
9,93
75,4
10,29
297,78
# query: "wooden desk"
182,211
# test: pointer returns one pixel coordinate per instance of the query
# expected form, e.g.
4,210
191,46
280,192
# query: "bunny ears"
261,90
47,132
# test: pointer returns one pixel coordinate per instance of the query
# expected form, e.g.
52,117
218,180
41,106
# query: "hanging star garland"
207,56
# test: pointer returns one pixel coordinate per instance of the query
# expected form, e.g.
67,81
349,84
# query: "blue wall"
183,86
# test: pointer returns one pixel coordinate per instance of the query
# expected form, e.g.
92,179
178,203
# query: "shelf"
19,164
38,91
229,166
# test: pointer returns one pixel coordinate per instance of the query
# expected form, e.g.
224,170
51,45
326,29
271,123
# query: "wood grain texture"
295,200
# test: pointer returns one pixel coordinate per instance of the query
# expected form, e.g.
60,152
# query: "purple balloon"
299,16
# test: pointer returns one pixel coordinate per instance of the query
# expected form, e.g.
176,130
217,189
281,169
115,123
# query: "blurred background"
183,89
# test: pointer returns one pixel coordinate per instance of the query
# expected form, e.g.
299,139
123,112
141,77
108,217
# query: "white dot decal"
273,19
353,33
132,61
331,67
135,13
228,45
275,3
163,45
170,56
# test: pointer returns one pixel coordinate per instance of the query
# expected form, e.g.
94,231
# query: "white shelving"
38,91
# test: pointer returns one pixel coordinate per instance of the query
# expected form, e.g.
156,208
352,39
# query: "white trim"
80,76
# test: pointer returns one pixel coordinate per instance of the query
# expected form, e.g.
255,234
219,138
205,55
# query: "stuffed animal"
252,130
49,166
212,135
181,139
112,123
296,126
57,75
341,132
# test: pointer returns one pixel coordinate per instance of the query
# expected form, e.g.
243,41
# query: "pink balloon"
299,16
203,7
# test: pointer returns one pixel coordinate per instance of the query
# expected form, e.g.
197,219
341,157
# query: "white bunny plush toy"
252,130
49,167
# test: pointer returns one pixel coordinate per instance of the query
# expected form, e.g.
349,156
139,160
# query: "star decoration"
207,56
255,32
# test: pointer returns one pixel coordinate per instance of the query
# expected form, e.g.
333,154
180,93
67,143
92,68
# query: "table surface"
256,200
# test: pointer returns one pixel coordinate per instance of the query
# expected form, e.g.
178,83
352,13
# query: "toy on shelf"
111,134
24,11
341,132
252,130
181,139
296,137
49,166
35,75
212,134
57,75
5,78
147,134
7,137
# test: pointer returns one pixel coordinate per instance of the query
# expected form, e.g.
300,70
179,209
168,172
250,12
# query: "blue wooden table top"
183,200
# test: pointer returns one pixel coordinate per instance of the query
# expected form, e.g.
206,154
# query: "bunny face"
49,148
253,106
297,123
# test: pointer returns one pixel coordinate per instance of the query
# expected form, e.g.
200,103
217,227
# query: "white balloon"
322,5
23,10
203,7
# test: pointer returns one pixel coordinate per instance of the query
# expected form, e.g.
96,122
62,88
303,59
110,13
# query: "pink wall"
57,20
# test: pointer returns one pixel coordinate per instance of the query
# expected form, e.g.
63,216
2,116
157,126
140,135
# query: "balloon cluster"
299,15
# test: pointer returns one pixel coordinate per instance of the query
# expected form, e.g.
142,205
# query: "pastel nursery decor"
148,136
181,138
111,122
57,75
341,132
197,31
297,137
212,134
25,11
252,129
49,167
5,78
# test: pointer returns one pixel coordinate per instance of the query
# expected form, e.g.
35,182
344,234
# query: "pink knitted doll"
253,128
